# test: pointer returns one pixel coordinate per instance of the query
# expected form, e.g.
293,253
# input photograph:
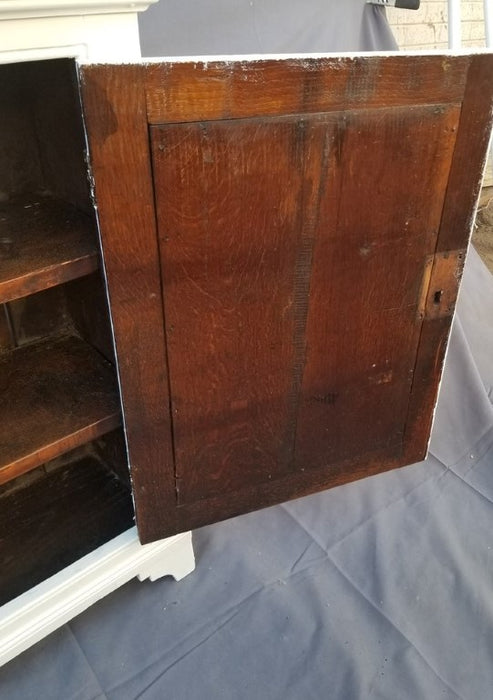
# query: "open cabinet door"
283,243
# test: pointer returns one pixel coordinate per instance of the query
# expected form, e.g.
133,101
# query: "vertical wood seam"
304,262
163,307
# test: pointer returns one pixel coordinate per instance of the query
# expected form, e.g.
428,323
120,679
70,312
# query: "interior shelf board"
43,242
57,519
54,396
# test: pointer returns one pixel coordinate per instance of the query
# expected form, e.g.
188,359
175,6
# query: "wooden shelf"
54,396
43,242
57,519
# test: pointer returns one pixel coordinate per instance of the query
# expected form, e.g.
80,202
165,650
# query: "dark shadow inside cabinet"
64,487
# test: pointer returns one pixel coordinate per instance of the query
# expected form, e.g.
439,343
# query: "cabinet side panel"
115,116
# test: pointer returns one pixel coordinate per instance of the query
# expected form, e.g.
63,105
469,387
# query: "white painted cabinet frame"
98,30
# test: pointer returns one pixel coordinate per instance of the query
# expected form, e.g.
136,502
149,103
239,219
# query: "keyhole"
437,297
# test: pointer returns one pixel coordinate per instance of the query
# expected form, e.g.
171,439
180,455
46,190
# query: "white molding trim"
41,610
100,38
24,9
79,51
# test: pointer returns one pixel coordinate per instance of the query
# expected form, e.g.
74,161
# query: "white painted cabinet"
98,30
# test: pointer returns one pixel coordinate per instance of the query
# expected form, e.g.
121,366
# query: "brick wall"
427,28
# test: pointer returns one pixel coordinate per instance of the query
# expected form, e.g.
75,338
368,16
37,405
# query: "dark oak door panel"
282,225
378,224
292,268
231,210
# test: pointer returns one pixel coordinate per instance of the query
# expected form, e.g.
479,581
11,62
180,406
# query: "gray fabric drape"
211,27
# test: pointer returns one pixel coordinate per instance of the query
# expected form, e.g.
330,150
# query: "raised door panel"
293,253
281,276
231,262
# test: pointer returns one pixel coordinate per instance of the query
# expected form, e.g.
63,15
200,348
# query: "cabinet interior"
64,486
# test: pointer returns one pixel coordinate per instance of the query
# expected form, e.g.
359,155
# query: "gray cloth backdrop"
201,27
380,589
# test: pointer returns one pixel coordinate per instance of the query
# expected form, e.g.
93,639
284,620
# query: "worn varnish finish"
373,235
183,92
235,314
304,210
252,380
53,397
455,228
43,243
115,113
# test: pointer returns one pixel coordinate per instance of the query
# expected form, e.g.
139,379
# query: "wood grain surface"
54,396
291,313
462,193
230,250
212,90
379,221
43,242
115,114
301,205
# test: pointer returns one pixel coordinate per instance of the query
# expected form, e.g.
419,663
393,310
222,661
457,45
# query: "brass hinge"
440,286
